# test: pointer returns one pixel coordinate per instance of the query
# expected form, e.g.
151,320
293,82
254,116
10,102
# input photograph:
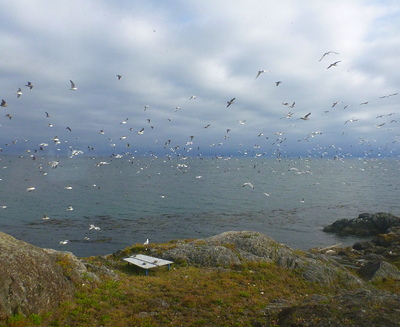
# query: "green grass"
183,296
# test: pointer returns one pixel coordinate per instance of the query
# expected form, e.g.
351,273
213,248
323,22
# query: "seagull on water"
64,242
73,87
30,189
45,217
230,102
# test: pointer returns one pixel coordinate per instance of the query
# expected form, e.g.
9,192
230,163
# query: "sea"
102,205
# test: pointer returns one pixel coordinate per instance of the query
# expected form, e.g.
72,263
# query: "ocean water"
132,199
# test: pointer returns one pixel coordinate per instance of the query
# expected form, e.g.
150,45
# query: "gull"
69,128
334,64
73,87
70,208
3,103
207,126
291,106
64,242
267,194
124,122
54,164
18,93
177,108
68,187
350,120
327,53
147,242
230,102
277,83
45,217
29,85
261,72
146,107
141,131
94,227
193,97
30,189
47,114
119,77
241,122
306,116
248,184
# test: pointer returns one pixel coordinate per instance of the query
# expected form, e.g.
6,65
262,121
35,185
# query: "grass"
183,296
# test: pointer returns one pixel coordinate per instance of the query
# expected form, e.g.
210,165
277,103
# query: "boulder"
236,247
378,270
366,224
31,281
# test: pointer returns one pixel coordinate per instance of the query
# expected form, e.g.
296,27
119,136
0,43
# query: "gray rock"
30,279
236,247
377,270
366,224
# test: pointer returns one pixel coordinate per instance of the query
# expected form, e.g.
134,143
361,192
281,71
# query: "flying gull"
29,85
119,77
230,102
306,116
261,72
334,64
248,184
73,87
327,53
3,103
18,93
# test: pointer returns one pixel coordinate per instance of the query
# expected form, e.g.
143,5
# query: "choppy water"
132,199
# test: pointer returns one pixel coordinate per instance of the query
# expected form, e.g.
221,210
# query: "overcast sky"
169,51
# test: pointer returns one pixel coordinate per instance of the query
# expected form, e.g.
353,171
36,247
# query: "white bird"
70,208
261,72
334,64
18,93
266,194
327,53
68,187
64,242
147,242
3,103
45,217
94,227
193,97
30,85
306,116
30,189
73,87
248,184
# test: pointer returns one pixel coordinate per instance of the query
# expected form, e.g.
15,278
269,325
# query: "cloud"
166,52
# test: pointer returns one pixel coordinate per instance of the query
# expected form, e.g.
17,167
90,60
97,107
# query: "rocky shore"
36,281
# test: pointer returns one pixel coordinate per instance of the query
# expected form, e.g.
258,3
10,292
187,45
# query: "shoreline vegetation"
232,279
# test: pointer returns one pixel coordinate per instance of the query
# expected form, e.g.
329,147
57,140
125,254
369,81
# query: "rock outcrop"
366,224
232,248
30,279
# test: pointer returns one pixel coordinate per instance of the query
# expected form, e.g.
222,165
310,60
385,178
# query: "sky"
181,62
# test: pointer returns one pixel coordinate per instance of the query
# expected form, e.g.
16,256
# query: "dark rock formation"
30,279
235,247
366,224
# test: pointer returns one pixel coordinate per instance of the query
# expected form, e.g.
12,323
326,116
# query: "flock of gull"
277,138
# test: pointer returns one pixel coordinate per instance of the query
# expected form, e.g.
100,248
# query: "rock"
232,248
31,281
361,307
359,246
376,270
366,224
